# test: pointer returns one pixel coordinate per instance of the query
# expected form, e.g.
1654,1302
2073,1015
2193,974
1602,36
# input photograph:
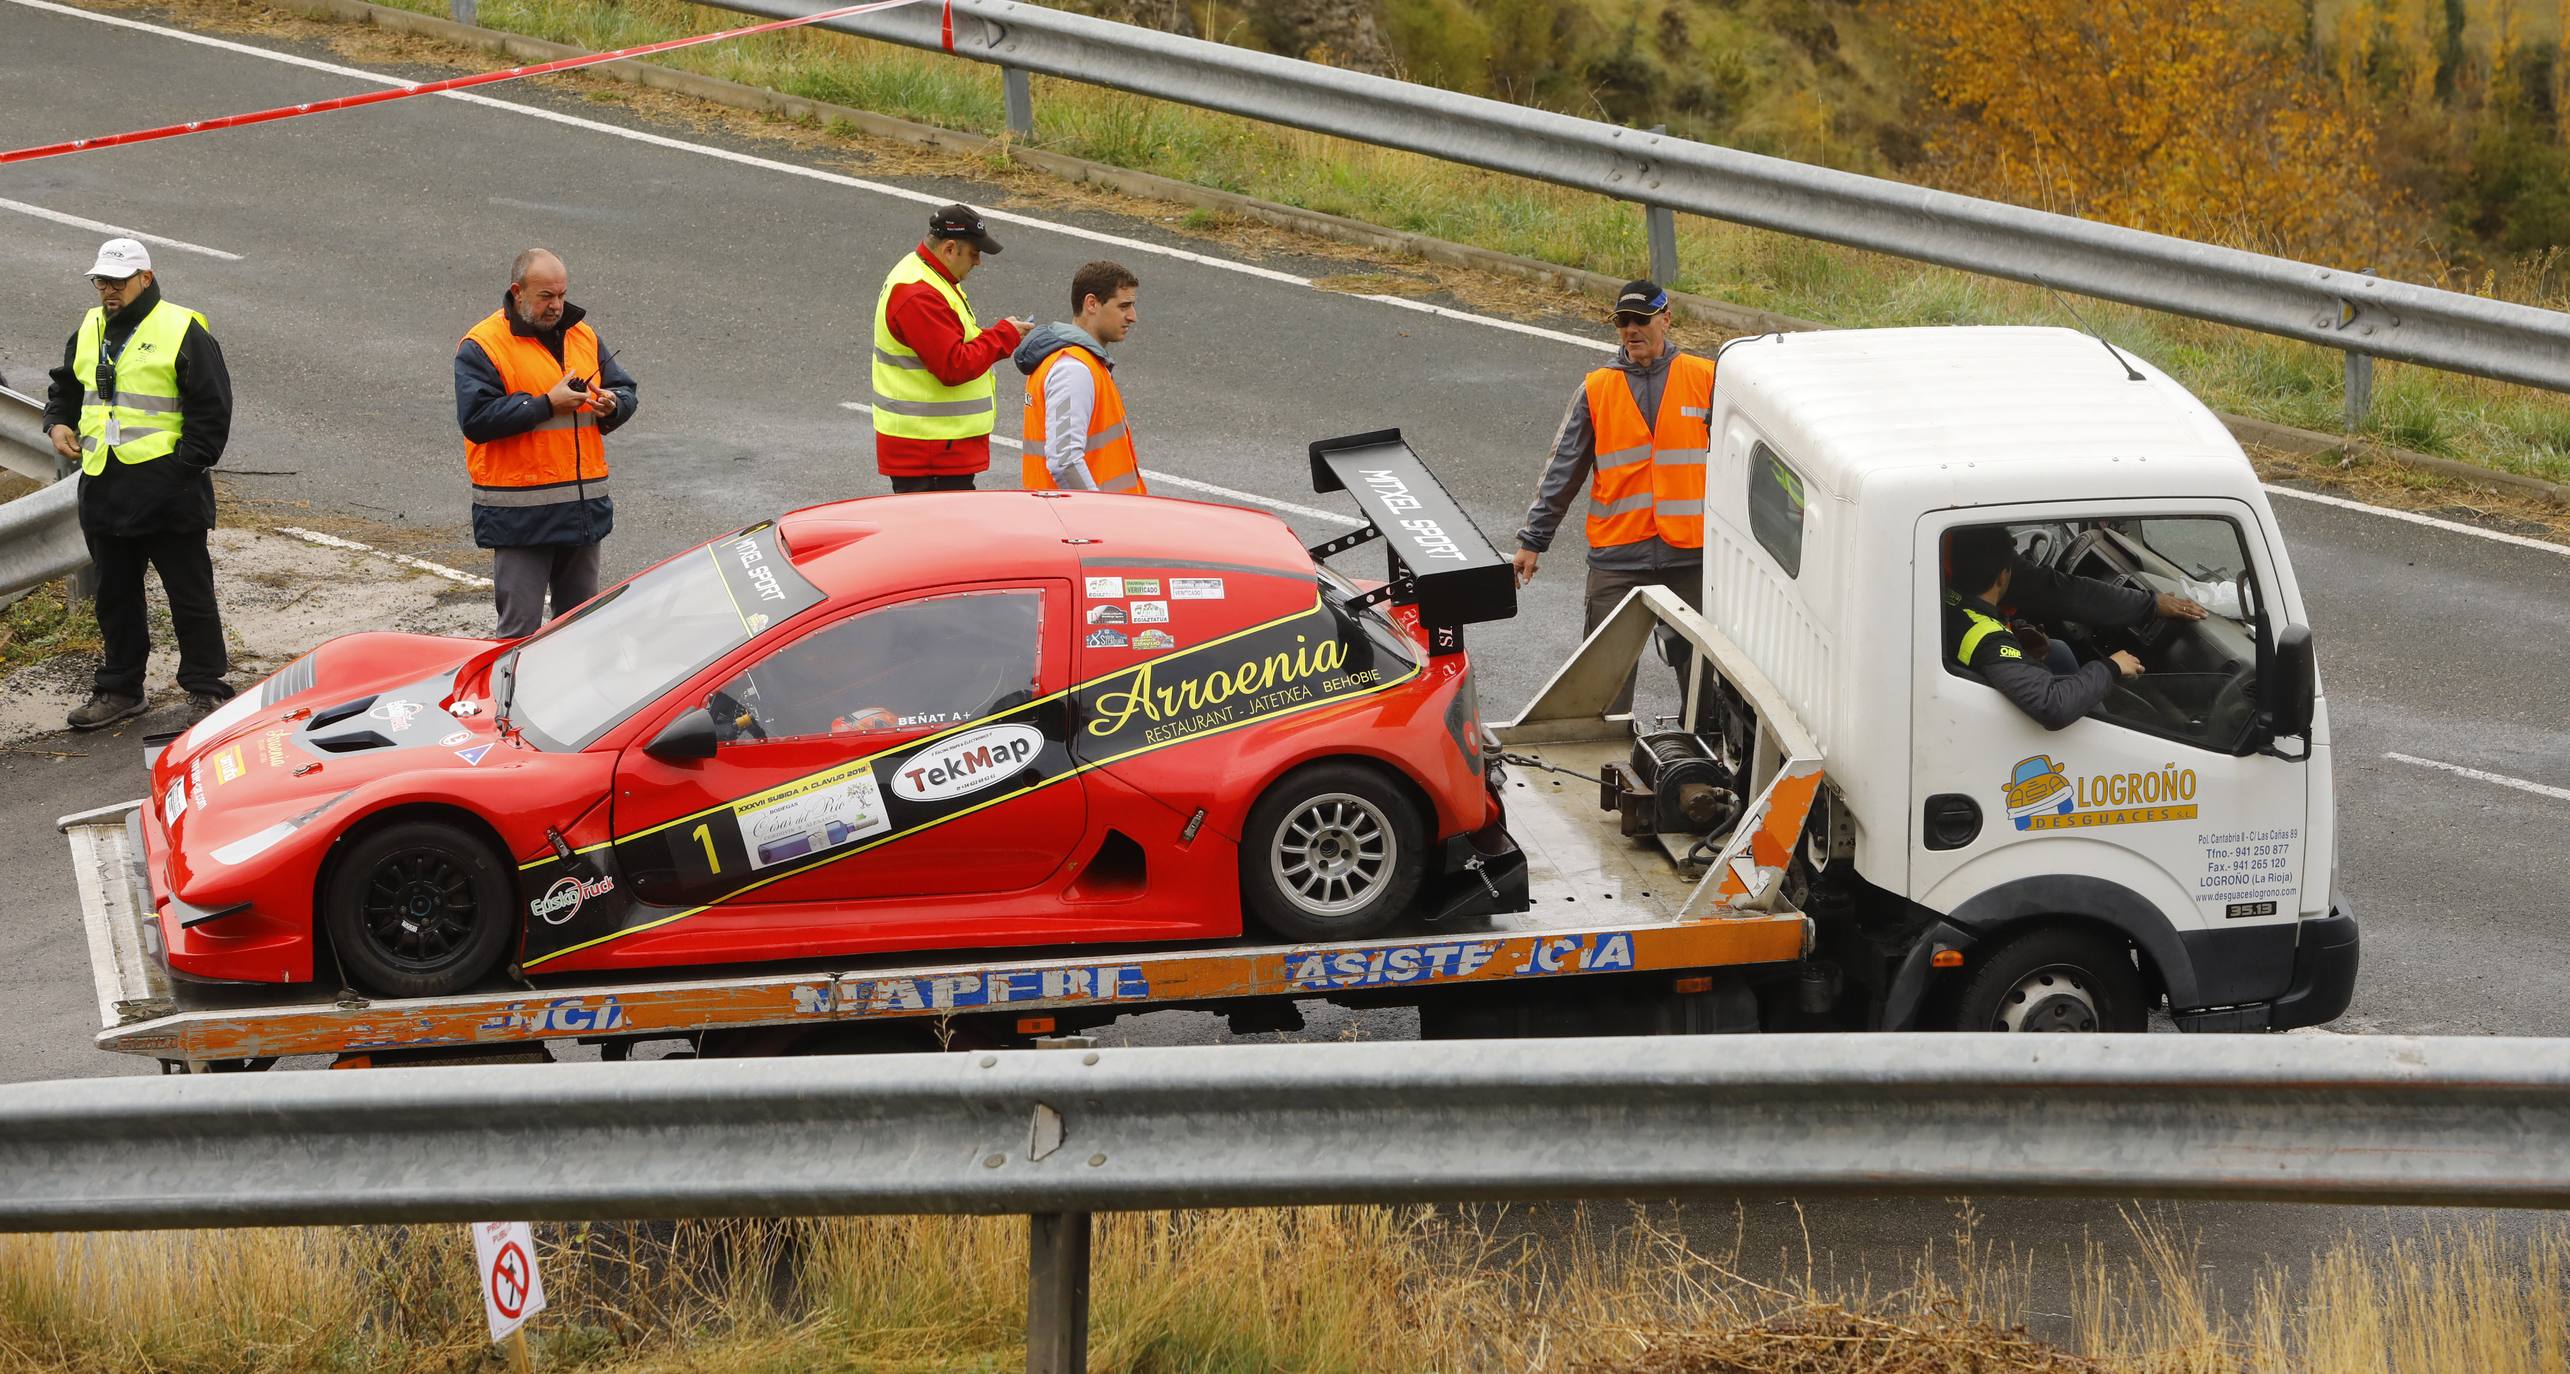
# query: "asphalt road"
738,292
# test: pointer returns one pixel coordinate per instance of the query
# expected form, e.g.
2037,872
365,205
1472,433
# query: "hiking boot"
105,708
203,704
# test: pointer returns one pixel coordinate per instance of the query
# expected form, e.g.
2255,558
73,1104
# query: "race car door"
911,749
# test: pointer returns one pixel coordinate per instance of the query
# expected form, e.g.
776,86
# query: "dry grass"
1367,1291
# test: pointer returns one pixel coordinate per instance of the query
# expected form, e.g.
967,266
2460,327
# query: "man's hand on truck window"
1525,562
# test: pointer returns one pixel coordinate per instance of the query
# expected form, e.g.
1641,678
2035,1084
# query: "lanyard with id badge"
107,385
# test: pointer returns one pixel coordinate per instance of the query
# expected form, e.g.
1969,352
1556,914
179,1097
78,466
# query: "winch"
1673,786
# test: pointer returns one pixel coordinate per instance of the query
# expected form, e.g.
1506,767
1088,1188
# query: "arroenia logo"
561,901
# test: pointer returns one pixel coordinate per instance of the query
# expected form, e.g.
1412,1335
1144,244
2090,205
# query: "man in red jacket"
934,403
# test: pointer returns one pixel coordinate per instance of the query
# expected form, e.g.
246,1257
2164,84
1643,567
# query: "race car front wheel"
418,909
1332,852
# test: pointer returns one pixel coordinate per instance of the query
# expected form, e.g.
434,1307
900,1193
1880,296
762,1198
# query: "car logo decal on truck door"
1311,658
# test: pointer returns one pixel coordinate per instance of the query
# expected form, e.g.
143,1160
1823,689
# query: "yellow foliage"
2170,115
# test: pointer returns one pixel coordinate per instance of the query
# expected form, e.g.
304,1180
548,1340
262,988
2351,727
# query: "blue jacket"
486,410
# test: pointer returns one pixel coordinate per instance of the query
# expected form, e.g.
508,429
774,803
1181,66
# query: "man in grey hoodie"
1076,434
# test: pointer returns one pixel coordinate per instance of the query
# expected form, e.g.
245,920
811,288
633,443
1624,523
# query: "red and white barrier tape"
405,92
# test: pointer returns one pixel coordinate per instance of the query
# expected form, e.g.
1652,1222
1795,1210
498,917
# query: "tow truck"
1836,829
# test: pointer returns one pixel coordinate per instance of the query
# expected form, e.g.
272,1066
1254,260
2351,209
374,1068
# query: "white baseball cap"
120,258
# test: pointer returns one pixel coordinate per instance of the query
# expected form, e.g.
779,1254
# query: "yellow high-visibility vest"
910,403
144,412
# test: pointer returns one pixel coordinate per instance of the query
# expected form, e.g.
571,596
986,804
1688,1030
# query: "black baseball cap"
962,222
1641,296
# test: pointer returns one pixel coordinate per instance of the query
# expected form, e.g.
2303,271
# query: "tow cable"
1531,761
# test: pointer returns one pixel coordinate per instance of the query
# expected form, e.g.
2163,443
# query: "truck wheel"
2058,979
1333,852
418,909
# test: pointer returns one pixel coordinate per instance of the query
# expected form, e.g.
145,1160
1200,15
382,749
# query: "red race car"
938,721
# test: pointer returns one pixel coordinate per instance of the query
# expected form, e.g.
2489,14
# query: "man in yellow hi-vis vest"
934,397
143,403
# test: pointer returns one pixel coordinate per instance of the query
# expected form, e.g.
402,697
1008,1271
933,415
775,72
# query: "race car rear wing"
1439,560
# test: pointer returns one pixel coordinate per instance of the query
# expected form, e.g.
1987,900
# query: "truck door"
2153,794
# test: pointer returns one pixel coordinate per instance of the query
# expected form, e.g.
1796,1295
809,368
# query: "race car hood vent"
352,742
324,719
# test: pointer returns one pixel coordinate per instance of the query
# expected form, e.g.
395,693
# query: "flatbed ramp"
1602,904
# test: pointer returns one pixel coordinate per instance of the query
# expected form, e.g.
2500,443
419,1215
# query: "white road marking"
2430,521
1173,480
2477,775
332,541
115,230
1071,231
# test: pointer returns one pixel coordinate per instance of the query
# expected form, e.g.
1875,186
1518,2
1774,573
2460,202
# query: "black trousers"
950,481
187,577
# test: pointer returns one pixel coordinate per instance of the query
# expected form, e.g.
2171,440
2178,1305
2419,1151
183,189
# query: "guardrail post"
1660,223
1057,1293
1019,93
2360,371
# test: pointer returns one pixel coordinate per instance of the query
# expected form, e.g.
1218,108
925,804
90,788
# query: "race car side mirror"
691,736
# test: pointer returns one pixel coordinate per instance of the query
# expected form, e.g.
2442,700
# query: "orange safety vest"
1650,477
1110,453
563,451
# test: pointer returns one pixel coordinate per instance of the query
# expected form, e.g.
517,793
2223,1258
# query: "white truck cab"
1964,866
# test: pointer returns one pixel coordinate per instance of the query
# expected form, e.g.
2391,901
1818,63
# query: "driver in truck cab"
1988,585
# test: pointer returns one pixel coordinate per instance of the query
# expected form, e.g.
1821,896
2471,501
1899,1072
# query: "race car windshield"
576,678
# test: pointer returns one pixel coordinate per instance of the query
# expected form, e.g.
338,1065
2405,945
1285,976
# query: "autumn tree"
2173,115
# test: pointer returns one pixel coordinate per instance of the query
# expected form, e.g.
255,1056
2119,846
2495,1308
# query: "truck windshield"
577,677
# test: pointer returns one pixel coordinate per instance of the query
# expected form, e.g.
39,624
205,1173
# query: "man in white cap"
143,403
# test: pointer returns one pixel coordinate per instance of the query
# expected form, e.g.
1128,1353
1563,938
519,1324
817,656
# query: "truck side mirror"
2291,687
691,736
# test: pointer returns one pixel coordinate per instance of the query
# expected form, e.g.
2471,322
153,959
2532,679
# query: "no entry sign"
504,1252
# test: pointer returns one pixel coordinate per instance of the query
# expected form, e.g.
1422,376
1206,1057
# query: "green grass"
47,624
2508,428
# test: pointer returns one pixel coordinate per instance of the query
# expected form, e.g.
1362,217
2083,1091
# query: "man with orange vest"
536,394
1638,432
1076,434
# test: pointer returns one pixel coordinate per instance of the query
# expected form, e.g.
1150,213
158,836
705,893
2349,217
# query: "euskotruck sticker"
1313,658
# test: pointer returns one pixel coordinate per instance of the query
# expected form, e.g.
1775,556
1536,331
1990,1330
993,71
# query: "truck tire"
1333,851
2059,978
418,909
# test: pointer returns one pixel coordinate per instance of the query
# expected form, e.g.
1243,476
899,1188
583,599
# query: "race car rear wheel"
1333,852
418,909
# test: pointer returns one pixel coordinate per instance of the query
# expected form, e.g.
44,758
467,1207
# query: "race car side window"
914,666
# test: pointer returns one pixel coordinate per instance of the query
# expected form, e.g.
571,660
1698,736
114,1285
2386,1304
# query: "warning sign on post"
504,1252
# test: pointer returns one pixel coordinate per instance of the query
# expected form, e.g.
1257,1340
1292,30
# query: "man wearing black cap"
932,362
1637,431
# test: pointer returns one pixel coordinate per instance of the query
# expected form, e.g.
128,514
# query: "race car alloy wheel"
418,909
1333,853
2064,978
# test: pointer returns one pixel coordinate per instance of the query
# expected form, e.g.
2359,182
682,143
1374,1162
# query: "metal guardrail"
2335,307
1060,1133
40,537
